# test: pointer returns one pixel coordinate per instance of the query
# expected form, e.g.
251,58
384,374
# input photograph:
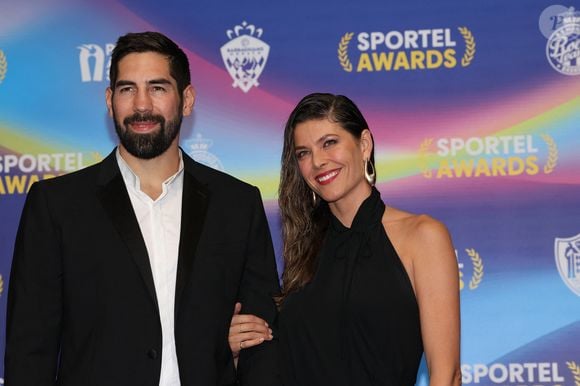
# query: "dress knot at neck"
353,241
367,216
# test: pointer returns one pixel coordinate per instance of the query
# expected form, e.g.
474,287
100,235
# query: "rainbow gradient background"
521,310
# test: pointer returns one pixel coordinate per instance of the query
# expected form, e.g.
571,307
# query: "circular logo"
551,19
563,49
208,159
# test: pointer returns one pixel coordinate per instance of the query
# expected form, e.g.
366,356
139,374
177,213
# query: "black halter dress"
357,322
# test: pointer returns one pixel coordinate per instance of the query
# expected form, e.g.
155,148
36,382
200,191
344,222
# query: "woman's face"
331,161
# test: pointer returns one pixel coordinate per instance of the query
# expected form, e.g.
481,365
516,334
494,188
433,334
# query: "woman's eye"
301,154
329,142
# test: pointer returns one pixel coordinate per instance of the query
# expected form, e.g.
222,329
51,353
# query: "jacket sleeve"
34,311
258,366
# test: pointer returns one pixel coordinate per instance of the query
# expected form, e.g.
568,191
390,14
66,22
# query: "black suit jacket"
82,308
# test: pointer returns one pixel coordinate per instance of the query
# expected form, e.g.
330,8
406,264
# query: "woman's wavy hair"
304,220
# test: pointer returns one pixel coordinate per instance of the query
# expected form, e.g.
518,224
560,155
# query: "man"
127,272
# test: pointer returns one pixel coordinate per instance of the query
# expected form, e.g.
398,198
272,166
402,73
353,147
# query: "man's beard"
149,145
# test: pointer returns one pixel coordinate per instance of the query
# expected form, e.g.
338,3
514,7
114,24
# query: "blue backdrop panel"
474,106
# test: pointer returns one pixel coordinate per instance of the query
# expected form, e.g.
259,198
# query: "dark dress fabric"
357,322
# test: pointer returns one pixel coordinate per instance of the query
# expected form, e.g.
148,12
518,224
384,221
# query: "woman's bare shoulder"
418,222
417,229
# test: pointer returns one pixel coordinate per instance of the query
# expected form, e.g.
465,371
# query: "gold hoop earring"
314,199
371,176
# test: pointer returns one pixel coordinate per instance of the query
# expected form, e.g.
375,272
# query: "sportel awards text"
19,172
487,156
406,50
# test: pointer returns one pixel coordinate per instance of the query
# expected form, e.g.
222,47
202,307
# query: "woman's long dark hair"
304,222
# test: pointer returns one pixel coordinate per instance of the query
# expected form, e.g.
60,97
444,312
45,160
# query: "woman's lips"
328,177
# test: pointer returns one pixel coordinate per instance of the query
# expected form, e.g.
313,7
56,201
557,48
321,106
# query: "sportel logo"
92,58
491,156
19,172
520,374
422,49
245,55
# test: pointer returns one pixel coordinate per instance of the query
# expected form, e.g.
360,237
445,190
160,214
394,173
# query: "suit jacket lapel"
194,208
116,202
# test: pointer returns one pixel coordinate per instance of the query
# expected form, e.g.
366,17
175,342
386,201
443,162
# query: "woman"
366,288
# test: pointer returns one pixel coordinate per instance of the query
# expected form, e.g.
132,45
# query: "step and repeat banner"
474,106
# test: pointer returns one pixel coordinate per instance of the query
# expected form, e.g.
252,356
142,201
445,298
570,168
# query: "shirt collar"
132,180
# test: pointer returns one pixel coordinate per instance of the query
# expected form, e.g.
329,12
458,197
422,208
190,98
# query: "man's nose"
143,101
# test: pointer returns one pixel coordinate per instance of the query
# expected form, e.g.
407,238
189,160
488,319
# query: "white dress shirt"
160,224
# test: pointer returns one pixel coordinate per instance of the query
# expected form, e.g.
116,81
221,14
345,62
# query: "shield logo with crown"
245,55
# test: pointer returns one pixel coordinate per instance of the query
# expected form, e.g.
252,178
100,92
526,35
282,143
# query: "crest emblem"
245,55
198,150
567,253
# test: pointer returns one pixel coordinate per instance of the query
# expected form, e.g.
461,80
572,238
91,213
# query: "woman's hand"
246,331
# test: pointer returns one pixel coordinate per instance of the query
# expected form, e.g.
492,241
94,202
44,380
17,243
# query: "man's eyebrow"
159,81
121,83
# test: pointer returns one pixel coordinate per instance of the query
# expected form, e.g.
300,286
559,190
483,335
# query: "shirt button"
152,353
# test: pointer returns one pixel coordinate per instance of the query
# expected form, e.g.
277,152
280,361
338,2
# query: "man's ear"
109,101
188,100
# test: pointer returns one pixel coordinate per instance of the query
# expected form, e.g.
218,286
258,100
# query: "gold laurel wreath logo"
342,52
477,276
552,154
575,369
469,46
3,66
1,285
423,155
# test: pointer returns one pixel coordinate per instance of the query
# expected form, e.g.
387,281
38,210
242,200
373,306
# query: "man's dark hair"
152,42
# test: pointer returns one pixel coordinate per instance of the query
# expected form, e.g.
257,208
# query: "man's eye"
124,90
158,89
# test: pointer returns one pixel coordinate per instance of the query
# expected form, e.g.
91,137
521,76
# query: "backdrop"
474,106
